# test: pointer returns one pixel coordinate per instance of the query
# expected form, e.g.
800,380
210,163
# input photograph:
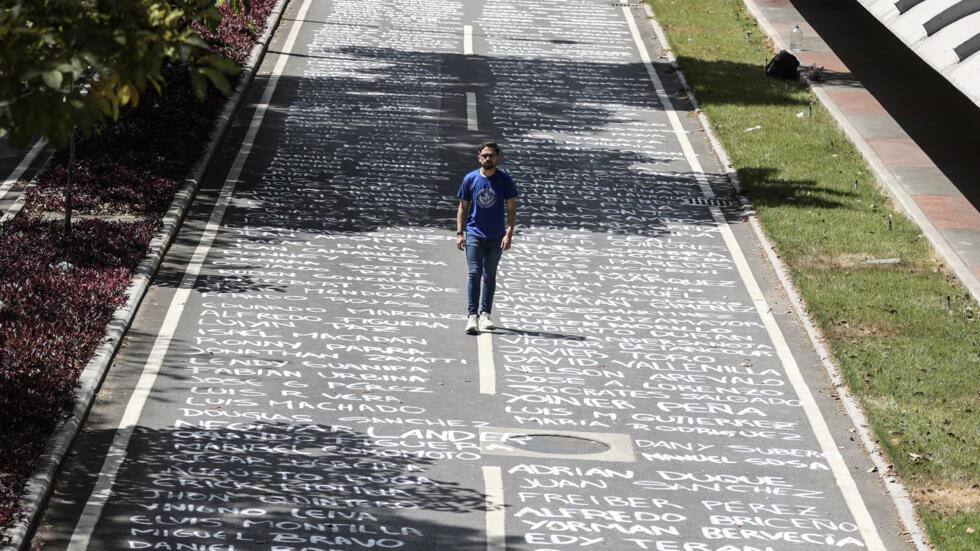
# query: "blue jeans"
482,257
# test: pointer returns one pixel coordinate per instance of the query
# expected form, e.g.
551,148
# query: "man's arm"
462,215
511,222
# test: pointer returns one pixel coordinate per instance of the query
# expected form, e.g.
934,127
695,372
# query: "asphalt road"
18,166
298,377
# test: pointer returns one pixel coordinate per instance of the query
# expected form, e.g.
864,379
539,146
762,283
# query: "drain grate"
708,202
556,444
626,5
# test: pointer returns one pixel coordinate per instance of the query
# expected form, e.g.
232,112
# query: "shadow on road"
383,145
275,482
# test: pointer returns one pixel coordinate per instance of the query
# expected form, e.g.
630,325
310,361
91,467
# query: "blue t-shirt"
488,198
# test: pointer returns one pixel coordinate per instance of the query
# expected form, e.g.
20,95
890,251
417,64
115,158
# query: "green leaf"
218,79
197,42
83,118
173,18
56,133
211,18
93,59
156,80
224,64
99,103
118,47
52,79
200,85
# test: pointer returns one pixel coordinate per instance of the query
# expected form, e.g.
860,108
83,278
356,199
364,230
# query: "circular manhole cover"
558,444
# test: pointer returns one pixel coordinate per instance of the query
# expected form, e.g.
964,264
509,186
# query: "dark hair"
491,145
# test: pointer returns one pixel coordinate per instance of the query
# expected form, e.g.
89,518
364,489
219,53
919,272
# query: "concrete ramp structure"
944,33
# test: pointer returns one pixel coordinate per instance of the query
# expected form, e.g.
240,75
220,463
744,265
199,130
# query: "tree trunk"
68,185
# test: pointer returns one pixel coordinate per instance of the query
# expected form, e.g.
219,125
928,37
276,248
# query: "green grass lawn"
913,362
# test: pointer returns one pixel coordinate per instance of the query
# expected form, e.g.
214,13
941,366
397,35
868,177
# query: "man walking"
484,197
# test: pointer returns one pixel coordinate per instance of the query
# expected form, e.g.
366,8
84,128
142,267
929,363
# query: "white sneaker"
486,324
471,325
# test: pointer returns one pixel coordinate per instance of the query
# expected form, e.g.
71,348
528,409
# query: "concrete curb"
40,484
893,486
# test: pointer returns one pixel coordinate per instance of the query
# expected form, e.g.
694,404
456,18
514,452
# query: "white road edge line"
493,488
488,372
22,167
899,495
467,39
117,452
842,476
471,123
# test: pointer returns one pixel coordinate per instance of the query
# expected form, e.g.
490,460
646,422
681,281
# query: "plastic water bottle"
796,39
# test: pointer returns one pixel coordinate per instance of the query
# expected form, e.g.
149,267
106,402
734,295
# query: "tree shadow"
385,143
253,484
772,191
733,83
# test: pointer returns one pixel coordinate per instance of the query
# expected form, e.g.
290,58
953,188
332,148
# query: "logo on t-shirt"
486,197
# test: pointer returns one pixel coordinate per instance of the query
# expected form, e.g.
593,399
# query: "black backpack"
783,66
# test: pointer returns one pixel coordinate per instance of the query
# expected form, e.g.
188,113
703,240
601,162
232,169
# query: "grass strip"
904,334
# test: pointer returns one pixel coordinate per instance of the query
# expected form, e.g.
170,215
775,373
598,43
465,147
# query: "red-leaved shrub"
234,37
57,297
